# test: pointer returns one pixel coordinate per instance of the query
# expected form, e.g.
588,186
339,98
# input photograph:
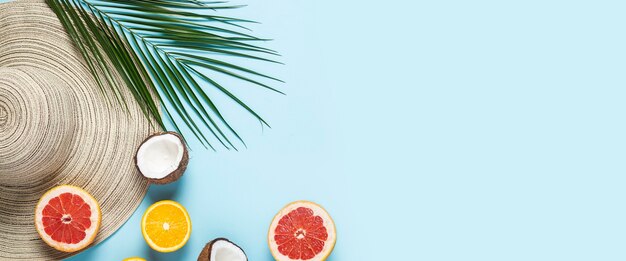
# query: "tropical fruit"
222,249
67,218
166,226
302,230
162,158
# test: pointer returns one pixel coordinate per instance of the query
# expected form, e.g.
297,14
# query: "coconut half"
222,249
162,158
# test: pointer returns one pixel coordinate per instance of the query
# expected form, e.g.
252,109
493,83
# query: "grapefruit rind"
318,211
147,238
92,231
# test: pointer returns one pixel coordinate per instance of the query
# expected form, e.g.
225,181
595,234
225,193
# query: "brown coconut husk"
176,174
205,255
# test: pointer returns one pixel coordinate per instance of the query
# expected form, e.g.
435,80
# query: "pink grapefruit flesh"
302,231
67,218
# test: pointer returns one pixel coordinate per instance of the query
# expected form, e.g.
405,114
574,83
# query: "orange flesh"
166,226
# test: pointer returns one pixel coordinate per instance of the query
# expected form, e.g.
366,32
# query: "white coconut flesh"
160,155
223,250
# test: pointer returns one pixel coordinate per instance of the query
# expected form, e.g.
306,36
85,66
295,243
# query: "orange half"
134,259
166,226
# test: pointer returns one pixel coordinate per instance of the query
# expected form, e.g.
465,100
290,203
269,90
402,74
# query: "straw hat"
57,127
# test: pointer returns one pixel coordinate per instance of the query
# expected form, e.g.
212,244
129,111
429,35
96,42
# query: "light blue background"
430,130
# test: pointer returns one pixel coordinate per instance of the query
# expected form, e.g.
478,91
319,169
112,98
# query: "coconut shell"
205,255
176,174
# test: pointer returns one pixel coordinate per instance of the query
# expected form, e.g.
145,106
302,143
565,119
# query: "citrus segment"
302,231
67,218
166,226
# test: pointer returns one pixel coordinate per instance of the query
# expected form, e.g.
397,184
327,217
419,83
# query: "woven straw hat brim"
57,127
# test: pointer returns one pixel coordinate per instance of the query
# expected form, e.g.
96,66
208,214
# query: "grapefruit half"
302,230
67,218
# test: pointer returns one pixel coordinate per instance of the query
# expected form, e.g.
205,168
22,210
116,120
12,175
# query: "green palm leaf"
159,48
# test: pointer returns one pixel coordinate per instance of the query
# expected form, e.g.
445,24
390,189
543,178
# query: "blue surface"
430,130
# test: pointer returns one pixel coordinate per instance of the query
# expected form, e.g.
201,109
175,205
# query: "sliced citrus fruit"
67,218
134,259
302,230
166,226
